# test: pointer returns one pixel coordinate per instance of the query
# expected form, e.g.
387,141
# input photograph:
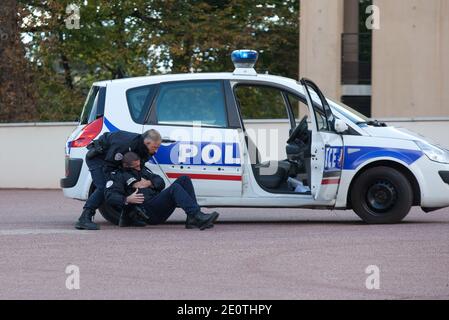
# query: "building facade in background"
400,70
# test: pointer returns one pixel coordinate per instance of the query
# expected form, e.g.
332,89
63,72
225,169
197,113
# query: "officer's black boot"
130,219
85,221
201,220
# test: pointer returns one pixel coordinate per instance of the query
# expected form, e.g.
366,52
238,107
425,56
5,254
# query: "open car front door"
327,145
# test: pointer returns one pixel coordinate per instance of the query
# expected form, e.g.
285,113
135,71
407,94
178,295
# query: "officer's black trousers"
179,194
99,179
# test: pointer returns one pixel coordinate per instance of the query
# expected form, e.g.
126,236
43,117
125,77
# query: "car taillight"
88,133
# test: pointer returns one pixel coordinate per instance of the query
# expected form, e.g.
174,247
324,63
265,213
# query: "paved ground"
250,254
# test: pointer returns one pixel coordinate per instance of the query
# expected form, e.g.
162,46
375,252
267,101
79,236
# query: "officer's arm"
103,140
115,194
118,143
129,179
157,182
108,168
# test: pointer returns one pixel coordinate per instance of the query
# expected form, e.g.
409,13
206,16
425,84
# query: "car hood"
395,133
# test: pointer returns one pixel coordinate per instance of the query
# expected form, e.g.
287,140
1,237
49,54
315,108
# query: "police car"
335,157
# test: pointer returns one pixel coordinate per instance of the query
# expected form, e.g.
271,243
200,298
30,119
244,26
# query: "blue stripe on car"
355,156
110,126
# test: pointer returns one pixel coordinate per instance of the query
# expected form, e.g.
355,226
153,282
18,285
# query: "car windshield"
352,115
348,112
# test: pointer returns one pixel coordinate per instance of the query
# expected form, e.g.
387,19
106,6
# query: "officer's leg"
187,184
162,206
95,199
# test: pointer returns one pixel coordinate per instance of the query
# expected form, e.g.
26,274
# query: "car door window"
299,107
321,121
323,114
94,106
192,103
260,102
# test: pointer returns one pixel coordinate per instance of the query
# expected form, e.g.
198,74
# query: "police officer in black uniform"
122,190
104,156
131,181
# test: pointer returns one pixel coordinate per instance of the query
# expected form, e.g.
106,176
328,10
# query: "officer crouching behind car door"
104,156
139,195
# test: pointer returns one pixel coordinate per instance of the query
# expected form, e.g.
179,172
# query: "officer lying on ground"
129,186
104,156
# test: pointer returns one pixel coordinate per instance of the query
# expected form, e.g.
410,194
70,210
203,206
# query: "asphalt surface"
250,254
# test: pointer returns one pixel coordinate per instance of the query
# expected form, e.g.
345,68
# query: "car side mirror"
340,126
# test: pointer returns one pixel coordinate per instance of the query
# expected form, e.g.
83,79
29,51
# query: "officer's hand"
143,183
135,198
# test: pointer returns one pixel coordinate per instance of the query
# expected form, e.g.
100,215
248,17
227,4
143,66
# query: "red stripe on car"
330,181
197,176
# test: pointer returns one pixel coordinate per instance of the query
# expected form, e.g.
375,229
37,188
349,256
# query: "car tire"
381,195
109,213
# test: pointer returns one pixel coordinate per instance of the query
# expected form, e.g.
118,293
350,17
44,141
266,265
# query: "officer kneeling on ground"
104,156
136,192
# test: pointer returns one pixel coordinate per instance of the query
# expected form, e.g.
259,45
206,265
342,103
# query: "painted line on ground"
21,232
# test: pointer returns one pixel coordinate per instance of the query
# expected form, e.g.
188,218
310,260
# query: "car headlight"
434,153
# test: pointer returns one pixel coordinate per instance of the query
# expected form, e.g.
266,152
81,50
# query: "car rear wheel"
381,195
109,213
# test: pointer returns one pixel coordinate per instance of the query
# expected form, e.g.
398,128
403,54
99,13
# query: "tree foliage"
121,38
17,93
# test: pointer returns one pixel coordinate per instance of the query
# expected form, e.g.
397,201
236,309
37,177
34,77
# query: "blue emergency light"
244,58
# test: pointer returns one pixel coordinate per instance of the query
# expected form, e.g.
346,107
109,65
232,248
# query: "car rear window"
139,100
94,106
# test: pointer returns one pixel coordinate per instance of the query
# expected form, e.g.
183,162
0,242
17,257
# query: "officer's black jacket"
116,144
121,183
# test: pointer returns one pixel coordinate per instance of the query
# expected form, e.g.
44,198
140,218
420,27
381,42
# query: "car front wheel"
381,195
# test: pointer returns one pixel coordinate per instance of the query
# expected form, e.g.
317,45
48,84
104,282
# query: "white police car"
335,157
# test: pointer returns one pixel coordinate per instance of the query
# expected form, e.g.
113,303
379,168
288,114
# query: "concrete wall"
410,59
32,155
321,26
